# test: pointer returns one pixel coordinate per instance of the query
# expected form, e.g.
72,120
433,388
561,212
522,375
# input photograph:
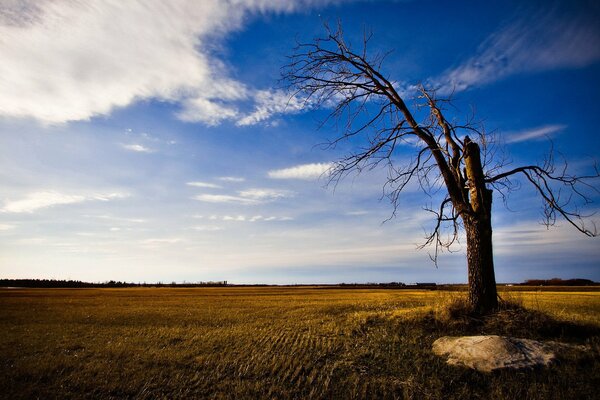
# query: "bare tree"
459,158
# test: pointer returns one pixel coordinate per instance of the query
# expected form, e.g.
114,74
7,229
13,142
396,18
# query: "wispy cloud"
533,43
105,55
304,171
357,213
224,198
118,219
161,241
255,218
534,133
232,218
144,138
532,238
270,103
265,194
210,111
249,196
138,148
231,179
245,218
204,185
207,228
39,200
6,227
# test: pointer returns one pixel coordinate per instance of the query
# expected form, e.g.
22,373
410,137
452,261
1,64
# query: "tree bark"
483,296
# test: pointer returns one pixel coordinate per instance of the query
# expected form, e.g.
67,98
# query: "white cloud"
161,241
269,103
269,219
138,148
230,218
244,218
357,213
255,218
534,239
250,196
265,194
534,133
207,228
204,185
6,227
231,179
118,219
39,200
107,196
211,112
224,198
535,43
304,171
68,60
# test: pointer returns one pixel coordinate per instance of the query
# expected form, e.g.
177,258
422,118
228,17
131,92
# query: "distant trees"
456,156
45,283
61,283
558,282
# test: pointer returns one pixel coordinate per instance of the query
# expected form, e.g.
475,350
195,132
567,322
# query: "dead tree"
369,106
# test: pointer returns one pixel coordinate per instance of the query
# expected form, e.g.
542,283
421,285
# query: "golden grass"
255,343
580,306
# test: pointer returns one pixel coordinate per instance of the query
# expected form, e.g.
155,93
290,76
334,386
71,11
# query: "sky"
151,141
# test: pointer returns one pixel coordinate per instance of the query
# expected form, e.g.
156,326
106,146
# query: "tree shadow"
510,319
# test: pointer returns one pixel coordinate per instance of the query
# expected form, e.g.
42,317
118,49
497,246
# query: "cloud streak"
303,171
245,218
265,194
204,185
224,198
39,200
248,197
235,179
269,103
534,133
536,43
100,55
137,148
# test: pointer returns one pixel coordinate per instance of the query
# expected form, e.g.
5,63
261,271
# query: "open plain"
280,342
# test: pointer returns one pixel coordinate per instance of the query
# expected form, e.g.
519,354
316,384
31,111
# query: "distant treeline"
58,283
389,285
558,282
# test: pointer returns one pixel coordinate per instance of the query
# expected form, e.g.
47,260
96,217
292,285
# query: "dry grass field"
280,343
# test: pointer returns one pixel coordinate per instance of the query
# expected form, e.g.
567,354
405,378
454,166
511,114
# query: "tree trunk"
483,296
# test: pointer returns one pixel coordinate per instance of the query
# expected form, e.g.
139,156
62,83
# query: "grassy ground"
278,343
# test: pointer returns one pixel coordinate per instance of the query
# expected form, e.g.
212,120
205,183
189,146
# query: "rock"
489,353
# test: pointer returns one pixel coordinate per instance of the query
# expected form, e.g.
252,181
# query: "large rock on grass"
489,353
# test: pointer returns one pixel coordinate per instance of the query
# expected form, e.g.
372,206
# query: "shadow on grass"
395,353
391,357
511,319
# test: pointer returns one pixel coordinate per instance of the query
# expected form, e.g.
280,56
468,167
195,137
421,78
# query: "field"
278,343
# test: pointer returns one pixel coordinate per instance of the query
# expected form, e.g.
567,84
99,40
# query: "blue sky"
152,141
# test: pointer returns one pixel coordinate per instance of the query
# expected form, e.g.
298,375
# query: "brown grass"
276,343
